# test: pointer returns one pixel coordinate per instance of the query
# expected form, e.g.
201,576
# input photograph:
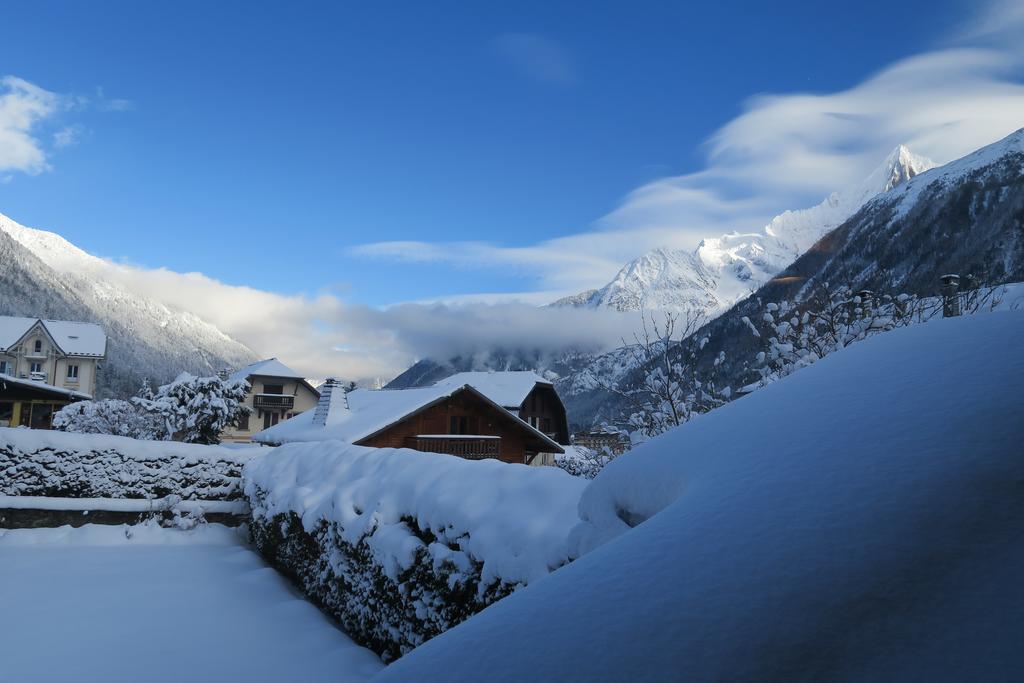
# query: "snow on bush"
860,520
109,416
50,463
401,545
190,409
197,409
580,461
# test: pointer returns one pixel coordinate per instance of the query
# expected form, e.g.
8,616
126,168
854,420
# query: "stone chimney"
323,406
950,296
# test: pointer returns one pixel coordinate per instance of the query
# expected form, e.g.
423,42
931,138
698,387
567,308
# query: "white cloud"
786,151
321,335
537,57
68,136
22,107
27,111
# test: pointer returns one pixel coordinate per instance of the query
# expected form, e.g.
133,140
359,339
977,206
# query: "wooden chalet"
513,417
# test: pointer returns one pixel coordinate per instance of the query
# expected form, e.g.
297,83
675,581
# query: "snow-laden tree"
196,409
799,334
580,461
109,416
671,392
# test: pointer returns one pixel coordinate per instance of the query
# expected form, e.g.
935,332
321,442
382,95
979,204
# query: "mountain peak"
900,166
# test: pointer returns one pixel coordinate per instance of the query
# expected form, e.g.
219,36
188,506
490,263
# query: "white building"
277,393
44,365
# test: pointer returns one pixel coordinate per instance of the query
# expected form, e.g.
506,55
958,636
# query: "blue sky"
258,143
295,173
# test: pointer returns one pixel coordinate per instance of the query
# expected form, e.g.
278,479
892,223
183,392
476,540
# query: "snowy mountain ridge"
52,277
722,270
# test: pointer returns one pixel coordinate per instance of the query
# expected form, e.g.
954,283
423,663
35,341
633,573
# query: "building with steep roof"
276,393
44,365
515,417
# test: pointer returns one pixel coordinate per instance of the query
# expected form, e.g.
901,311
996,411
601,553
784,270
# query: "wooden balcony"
469,446
273,402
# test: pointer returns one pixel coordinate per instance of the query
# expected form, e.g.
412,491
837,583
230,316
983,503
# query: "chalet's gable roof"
507,389
71,338
369,412
271,367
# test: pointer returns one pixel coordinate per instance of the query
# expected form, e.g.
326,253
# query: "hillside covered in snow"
46,276
879,541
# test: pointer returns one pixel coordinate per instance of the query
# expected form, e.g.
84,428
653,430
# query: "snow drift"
859,520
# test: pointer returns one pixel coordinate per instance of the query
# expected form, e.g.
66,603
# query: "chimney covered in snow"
950,296
323,406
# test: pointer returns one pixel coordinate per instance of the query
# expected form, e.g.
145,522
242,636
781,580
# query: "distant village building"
604,439
45,365
516,417
277,393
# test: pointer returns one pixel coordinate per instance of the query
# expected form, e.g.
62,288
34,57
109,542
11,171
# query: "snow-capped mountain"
723,270
966,217
44,275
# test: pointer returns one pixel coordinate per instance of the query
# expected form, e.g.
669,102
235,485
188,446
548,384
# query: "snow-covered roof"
42,386
507,389
271,367
368,412
73,338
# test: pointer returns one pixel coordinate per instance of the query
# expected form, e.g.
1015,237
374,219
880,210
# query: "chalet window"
6,413
545,425
5,367
273,388
270,419
35,367
243,422
39,346
462,424
73,372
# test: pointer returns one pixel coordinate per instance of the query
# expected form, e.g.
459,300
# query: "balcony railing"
469,446
273,401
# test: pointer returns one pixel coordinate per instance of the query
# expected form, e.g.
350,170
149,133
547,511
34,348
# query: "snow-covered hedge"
401,545
50,463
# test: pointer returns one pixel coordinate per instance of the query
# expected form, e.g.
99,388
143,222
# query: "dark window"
6,413
273,388
461,424
5,368
72,372
39,346
36,367
243,422
270,419
545,425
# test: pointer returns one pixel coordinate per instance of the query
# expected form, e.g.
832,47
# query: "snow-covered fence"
400,545
49,463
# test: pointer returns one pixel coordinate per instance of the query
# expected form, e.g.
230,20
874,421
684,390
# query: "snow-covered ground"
91,604
860,520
